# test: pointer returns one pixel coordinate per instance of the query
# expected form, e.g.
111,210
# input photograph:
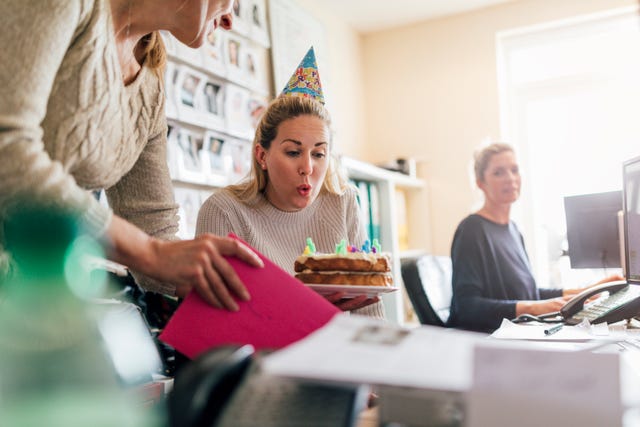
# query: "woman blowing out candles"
294,191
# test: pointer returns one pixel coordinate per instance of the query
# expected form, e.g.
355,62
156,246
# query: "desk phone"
622,303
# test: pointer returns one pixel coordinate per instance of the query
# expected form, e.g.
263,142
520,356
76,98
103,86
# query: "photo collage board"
215,96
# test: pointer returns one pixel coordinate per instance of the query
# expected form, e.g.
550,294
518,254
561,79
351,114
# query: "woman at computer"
492,278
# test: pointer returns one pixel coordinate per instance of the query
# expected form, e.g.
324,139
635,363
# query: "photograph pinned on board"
213,146
190,165
188,200
237,118
188,90
241,24
258,22
217,157
213,53
252,66
240,160
190,97
170,80
256,106
232,54
210,112
255,62
233,57
173,147
213,99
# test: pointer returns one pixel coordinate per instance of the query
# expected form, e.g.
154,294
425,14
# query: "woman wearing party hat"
294,190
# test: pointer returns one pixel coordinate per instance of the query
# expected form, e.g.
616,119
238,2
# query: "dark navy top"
491,272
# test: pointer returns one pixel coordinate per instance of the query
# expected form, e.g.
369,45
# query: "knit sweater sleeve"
144,196
38,34
214,218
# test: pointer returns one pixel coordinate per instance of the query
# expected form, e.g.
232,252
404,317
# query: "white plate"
351,291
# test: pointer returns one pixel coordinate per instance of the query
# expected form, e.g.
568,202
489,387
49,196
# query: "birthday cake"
367,266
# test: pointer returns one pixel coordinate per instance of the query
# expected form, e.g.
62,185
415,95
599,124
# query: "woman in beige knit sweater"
293,193
82,108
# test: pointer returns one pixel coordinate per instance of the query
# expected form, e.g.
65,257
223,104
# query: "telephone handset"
622,303
226,387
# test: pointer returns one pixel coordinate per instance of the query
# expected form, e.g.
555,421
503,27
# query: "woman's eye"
293,153
319,155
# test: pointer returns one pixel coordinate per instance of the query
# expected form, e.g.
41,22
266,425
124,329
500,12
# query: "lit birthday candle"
310,249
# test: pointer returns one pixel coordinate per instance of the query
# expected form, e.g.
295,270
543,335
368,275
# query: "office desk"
428,372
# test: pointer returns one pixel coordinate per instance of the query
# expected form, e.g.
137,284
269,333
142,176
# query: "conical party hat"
305,81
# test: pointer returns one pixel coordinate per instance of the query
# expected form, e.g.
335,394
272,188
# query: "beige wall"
345,99
429,91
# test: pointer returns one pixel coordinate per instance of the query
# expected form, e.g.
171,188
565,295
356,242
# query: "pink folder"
281,311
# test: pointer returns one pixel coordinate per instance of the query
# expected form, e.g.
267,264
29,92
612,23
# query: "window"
570,101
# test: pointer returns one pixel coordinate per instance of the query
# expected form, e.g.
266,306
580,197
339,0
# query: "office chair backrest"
427,279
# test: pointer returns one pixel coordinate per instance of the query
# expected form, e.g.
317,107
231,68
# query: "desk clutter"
476,380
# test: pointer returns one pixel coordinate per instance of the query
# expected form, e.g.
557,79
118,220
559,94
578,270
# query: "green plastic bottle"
54,369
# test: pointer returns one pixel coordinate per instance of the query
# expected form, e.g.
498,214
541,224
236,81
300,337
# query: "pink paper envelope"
281,311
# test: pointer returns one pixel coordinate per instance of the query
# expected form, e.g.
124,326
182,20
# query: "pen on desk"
552,330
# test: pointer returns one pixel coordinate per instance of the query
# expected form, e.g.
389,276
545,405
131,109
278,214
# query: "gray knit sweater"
68,124
281,236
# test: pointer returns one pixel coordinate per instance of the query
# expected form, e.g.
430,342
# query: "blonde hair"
155,53
482,158
281,109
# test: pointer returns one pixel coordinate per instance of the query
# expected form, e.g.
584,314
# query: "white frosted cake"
348,266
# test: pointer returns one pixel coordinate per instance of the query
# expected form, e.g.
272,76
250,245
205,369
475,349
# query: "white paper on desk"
365,350
512,331
530,388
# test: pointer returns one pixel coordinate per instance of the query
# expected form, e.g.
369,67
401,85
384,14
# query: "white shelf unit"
387,182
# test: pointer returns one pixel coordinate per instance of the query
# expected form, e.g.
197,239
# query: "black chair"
427,279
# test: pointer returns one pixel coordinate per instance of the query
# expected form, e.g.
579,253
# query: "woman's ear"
260,154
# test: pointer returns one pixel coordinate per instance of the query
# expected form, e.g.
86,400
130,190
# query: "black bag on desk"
226,388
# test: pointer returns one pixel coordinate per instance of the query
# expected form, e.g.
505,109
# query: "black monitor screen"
631,179
592,229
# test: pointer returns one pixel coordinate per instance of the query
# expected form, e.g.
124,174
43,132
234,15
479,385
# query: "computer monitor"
592,229
631,181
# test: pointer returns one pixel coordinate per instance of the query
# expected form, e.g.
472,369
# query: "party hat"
305,81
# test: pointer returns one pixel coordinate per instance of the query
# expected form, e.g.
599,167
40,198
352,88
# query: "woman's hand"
574,291
608,279
186,264
544,306
349,304
199,264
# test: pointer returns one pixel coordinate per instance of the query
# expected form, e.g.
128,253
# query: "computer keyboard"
267,401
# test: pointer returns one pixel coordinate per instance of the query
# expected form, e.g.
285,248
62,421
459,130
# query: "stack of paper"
543,381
